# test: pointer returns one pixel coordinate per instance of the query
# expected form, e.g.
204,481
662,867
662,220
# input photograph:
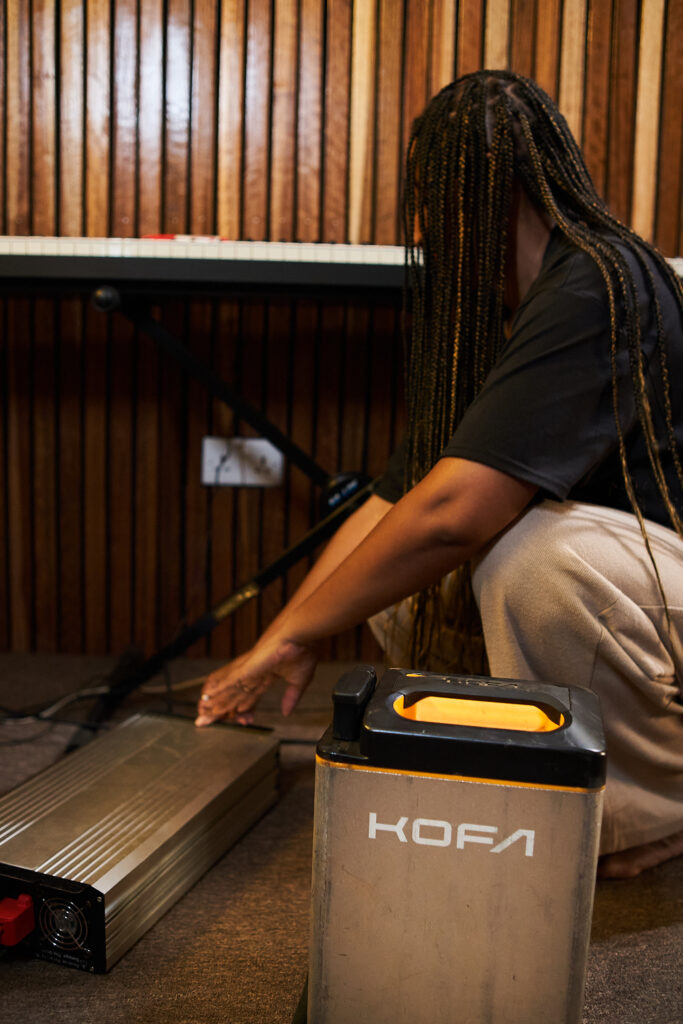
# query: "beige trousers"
568,595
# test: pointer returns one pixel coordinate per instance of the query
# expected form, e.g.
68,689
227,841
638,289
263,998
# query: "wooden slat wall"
261,119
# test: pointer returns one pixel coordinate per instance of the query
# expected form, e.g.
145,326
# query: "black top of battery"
369,731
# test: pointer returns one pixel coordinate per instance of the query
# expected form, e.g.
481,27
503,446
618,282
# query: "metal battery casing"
448,897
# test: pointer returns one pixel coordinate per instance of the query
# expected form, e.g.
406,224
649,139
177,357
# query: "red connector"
16,919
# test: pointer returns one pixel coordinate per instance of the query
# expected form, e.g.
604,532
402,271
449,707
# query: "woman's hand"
232,691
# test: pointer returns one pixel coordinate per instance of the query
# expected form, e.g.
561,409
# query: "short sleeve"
545,413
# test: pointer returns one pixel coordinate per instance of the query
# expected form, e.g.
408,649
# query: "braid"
479,139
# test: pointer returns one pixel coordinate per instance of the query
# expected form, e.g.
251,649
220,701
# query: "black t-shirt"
545,414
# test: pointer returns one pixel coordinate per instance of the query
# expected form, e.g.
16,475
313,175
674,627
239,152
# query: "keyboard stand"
342,494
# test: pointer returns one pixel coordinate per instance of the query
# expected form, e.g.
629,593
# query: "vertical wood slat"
172,469
230,118
19,443
203,86
43,116
416,64
17,141
618,189
71,511
385,228
524,18
336,121
70,215
547,50
496,49
120,473
596,90
248,500
356,385
572,66
195,499
285,37
177,116
95,534
150,117
301,426
97,117
274,532
148,505
669,211
362,120
647,116
43,464
256,121
227,343
124,119
470,49
443,33
309,121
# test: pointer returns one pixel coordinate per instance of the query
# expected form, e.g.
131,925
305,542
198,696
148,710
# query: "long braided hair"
480,138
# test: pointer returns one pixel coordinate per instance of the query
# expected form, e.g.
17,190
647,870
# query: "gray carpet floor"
234,948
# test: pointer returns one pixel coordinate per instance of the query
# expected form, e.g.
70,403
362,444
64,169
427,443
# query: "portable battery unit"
101,844
456,835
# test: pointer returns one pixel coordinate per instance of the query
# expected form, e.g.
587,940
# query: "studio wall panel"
265,120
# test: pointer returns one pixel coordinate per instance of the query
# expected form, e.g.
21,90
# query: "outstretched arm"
442,522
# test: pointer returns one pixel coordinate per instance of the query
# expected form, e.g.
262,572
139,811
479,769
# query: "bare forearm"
437,526
394,562
347,538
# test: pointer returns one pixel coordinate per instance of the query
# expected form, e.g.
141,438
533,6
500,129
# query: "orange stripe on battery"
480,712
457,778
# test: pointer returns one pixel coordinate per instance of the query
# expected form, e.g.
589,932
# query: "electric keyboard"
202,262
198,261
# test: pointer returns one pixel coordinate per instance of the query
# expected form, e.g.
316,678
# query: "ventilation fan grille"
63,924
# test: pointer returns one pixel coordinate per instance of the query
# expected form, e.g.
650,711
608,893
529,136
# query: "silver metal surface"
423,912
138,816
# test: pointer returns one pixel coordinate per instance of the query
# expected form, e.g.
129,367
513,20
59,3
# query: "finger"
214,699
203,720
290,699
239,697
204,707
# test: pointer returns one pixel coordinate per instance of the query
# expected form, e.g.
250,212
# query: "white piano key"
278,252
333,253
346,253
261,250
205,249
227,251
309,253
